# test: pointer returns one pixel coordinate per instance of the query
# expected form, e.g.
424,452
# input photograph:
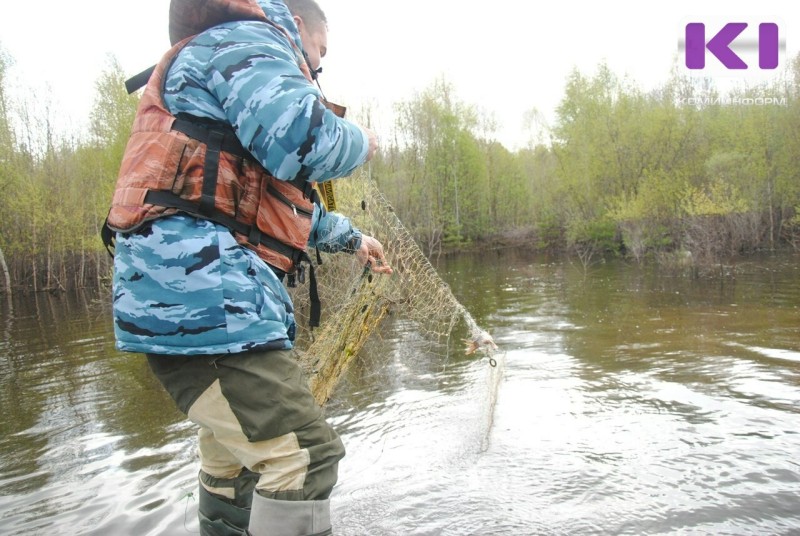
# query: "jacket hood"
190,17
278,13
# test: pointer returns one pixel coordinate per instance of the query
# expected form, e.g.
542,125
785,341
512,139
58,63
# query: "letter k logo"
718,45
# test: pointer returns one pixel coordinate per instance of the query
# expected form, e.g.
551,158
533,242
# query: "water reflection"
75,413
631,402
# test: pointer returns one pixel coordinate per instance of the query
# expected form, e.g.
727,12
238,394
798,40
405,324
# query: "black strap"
107,236
165,198
138,81
313,292
302,183
201,129
206,131
210,172
313,295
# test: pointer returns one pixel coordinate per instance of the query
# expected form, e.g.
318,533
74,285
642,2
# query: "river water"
625,401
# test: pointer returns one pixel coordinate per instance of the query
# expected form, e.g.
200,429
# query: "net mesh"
356,301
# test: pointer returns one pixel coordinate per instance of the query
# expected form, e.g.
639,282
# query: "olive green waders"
268,458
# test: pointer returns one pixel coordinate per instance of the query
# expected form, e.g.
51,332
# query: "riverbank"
668,260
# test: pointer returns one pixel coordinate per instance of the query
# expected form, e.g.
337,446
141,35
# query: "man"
214,208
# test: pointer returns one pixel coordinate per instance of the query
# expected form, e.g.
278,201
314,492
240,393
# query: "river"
625,401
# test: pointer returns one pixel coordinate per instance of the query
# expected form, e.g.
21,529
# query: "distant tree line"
679,174
57,188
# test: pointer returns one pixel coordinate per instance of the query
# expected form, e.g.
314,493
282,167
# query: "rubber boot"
219,517
270,517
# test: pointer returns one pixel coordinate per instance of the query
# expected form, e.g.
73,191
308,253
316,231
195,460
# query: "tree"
439,175
6,156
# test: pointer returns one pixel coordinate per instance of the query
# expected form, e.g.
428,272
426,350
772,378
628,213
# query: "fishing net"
355,301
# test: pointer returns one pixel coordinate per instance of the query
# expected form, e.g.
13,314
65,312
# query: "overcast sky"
505,56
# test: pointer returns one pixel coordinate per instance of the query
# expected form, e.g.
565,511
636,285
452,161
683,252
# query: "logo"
759,44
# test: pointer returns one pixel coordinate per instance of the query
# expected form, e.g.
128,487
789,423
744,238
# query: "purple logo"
719,45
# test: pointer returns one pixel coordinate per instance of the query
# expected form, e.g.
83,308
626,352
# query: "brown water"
630,402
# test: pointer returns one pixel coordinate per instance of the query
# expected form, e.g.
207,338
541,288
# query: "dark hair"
308,10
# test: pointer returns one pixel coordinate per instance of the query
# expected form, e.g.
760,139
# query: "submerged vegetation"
681,175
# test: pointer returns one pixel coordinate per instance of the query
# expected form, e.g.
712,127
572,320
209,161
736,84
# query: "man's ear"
299,22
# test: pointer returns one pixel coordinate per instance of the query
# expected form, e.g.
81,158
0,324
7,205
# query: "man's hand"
373,143
370,255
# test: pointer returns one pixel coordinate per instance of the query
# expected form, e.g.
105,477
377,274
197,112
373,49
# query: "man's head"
313,28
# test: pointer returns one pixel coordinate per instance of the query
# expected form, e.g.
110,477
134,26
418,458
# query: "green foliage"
647,218
718,198
437,175
644,172
59,188
672,171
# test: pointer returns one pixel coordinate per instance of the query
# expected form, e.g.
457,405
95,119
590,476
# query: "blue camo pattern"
247,74
184,286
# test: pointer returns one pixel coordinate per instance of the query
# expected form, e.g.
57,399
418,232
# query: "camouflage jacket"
184,285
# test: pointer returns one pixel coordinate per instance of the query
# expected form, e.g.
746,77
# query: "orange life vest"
195,166
177,164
